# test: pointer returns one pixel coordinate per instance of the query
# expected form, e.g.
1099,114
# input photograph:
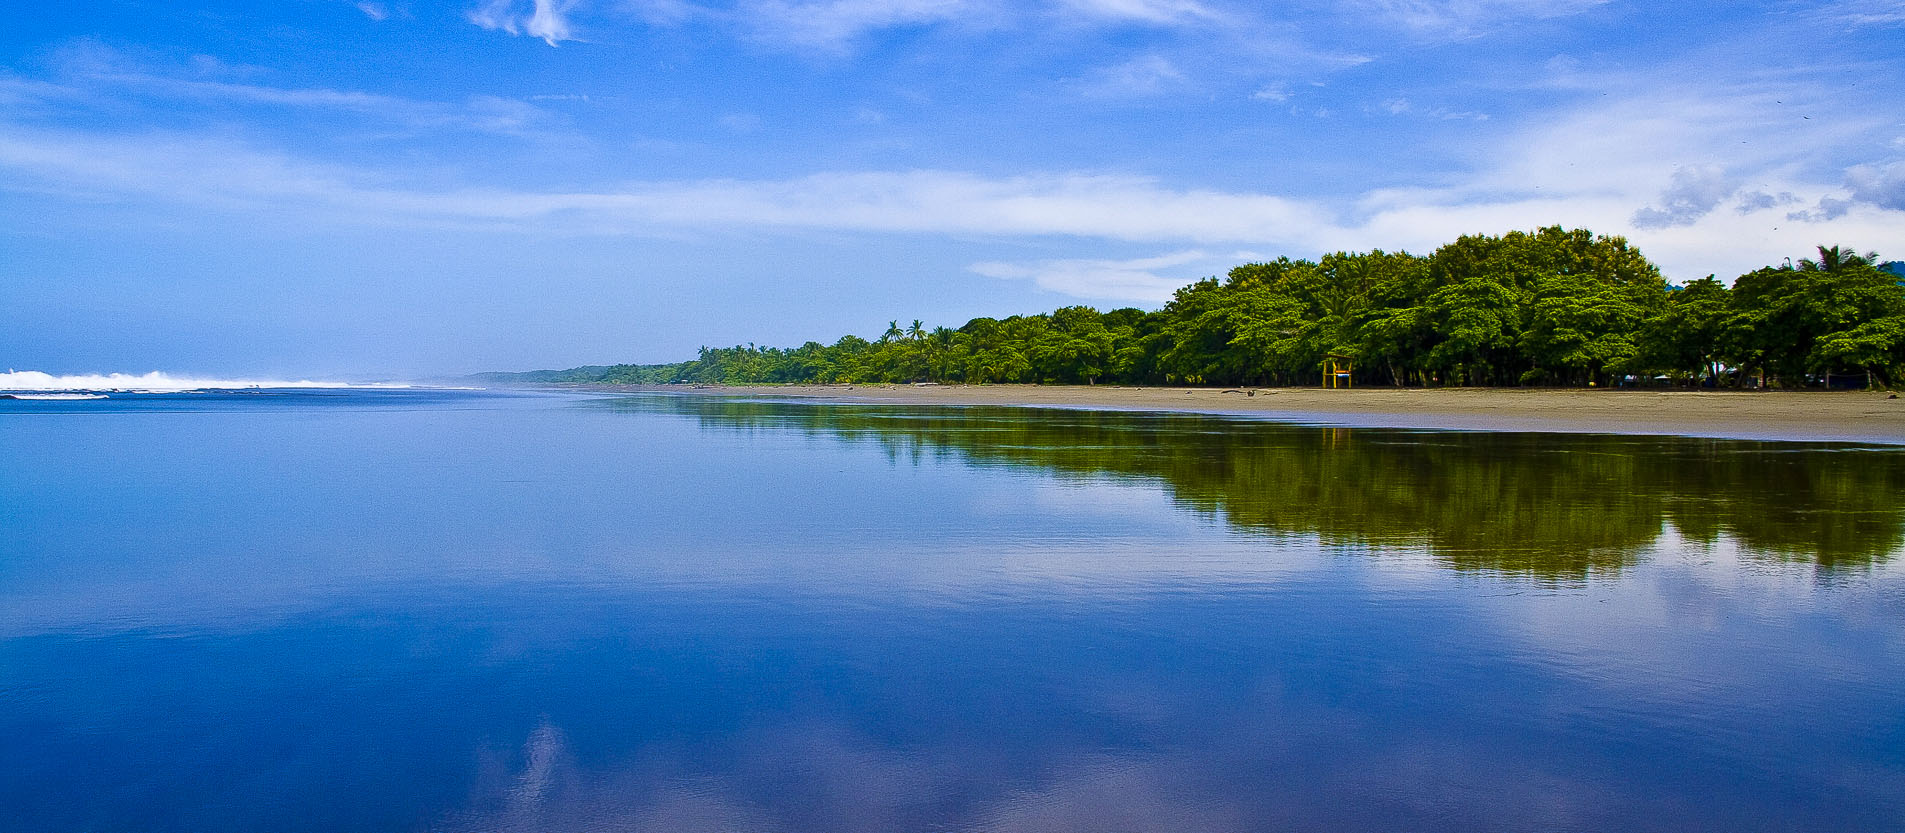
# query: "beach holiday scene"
952,415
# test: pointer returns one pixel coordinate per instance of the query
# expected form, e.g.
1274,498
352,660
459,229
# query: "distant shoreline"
1798,416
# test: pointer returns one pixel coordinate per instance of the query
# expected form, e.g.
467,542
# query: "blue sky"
385,188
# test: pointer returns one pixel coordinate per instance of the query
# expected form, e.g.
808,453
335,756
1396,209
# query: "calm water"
452,611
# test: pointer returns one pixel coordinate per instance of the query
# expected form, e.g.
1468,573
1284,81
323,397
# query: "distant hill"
587,374
590,373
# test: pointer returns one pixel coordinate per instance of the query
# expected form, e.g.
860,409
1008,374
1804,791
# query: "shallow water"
460,611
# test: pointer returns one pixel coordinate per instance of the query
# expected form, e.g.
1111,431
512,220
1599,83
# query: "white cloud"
97,75
1242,34
1405,107
1862,13
1696,191
1150,279
174,169
1752,201
834,24
1143,76
374,11
545,19
1278,93
1162,12
1644,161
20,95
1630,142
549,21
1091,205
1597,165
488,114
262,94
831,24
1463,18
1880,185
1828,208
496,15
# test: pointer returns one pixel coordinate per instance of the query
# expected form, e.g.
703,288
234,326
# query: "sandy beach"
1854,416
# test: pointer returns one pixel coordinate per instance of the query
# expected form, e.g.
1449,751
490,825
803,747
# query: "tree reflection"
1551,505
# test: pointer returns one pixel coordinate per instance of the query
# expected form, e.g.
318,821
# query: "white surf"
154,382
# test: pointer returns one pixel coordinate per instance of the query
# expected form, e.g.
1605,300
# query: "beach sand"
1854,416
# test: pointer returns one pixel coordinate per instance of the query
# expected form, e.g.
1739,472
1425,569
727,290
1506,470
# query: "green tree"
1578,328
1076,347
1683,337
1836,314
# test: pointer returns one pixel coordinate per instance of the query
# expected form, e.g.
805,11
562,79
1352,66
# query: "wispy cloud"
110,79
1405,107
824,25
1161,12
663,12
18,95
1862,13
1463,18
374,11
1142,76
1644,160
1090,205
176,169
1149,279
545,19
832,24
837,25
741,122
1242,34
1653,161
1278,93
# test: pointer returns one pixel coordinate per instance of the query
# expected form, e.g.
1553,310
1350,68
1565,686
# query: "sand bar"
1847,416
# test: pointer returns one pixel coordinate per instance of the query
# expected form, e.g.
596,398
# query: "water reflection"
694,614
1550,505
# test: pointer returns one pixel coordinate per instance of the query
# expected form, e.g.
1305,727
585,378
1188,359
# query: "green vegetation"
1548,307
1557,506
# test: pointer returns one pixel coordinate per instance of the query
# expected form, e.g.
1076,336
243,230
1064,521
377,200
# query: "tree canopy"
1551,306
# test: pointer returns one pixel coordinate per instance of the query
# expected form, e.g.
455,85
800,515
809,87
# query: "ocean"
328,609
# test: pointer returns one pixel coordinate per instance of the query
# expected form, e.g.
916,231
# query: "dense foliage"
1548,307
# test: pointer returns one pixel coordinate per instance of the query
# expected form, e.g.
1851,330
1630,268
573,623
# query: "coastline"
1790,416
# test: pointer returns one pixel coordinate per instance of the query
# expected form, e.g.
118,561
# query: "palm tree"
917,331
892,332
1835,258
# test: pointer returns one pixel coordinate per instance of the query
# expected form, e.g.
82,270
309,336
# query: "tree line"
1549,307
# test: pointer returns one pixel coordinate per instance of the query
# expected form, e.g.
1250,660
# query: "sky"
384,189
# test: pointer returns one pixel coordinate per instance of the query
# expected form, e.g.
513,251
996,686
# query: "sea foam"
33,380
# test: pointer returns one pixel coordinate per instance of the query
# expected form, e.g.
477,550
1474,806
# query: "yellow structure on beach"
1336,368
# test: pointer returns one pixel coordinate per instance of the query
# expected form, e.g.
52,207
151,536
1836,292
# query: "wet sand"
1856,416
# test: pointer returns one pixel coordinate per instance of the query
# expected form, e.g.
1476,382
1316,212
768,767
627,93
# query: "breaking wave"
33,380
